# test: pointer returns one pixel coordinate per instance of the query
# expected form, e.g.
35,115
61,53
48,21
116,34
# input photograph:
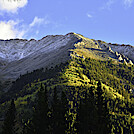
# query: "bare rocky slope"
22,56
18,56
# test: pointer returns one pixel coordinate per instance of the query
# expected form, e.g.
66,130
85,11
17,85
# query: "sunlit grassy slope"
90,48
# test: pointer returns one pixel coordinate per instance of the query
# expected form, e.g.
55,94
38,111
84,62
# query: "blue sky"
108,20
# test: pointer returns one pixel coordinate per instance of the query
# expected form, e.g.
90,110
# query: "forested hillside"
82,96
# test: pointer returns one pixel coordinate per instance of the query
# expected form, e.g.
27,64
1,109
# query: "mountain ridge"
18,56
22,44
87,63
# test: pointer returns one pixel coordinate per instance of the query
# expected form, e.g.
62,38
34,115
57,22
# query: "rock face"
124,53
16,49
130,62
120,58
124,61
116,54
22,56
110,50
126,50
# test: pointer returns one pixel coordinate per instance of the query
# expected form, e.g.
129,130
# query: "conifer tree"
9,121
64,109
103,119
83,115
40,122
55,109
71,113
92,111
40,118
57,115
86,114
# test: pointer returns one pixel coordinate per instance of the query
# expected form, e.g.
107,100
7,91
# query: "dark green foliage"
40,118
103,118
72,111
117,76
85,122
9,121
59,108
40,121
63,112
93,115
56,113
48,120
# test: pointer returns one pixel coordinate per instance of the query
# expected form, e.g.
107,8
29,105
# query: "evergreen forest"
81,96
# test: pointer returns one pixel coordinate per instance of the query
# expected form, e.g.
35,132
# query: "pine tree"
83,115
40,120
57,114
64,109
9,122
103,119
86,114
71,113
92,112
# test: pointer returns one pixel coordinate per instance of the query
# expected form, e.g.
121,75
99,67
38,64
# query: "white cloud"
12,5
8,30
38,21
128,3
15,29
108,4
89,15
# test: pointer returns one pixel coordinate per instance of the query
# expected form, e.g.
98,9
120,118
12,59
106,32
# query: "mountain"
19,56
91,74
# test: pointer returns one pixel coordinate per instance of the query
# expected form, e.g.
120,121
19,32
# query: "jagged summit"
16,49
